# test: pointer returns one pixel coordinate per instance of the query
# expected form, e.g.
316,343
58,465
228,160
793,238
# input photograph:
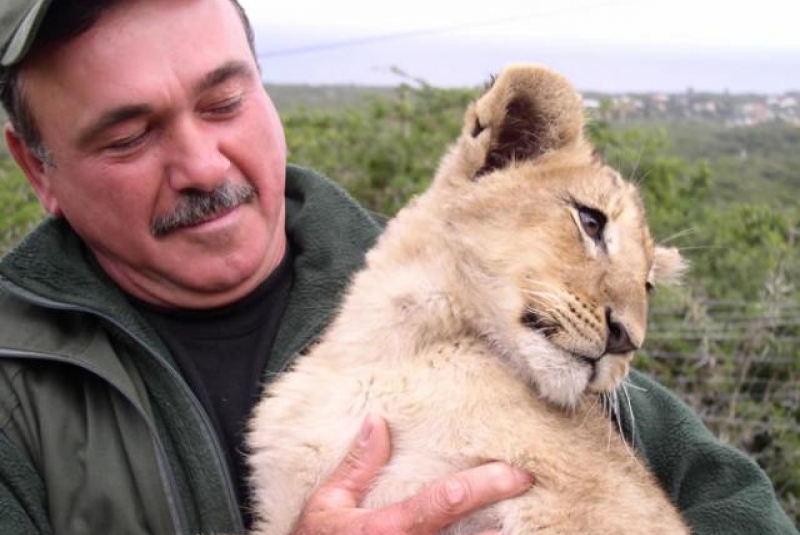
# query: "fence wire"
738,366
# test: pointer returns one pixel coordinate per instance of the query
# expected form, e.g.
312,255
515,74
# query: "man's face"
160,101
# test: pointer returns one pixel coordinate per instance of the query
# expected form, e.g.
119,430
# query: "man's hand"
334,508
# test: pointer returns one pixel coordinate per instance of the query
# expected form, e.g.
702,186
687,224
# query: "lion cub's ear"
528,110
668,266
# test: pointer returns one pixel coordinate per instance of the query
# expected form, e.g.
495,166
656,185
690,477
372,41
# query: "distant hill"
327,97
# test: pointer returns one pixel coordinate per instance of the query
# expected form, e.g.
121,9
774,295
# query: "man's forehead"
107,118
22,22
143,35
135,54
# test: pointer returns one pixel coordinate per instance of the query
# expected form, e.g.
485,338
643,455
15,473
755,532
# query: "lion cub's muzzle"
618,339
606,346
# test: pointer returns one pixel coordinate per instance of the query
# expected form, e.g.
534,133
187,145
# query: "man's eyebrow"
110,118
231,69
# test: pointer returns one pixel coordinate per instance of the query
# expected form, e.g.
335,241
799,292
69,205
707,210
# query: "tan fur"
479,329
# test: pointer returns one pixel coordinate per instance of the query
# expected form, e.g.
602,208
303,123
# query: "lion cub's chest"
451,407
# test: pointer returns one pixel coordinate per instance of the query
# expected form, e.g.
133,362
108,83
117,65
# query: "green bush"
19,208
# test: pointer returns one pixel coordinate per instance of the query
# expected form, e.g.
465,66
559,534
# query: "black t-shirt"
222,353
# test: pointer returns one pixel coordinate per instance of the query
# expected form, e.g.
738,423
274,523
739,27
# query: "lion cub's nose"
618,340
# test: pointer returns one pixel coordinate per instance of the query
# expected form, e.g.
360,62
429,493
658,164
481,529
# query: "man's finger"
350,481
453,497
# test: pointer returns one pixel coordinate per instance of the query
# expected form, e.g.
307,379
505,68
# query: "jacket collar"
328,230
329,233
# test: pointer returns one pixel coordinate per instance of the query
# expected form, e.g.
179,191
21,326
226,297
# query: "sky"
602,45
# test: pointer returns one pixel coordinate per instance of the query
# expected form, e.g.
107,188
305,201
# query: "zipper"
180,520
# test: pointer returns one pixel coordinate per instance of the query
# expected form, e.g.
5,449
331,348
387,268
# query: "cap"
19,22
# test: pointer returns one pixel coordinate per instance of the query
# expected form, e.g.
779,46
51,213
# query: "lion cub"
490,316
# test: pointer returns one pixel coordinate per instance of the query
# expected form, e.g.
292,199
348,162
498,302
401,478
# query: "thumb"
350,481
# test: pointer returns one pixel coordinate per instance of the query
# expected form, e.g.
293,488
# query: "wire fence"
737,365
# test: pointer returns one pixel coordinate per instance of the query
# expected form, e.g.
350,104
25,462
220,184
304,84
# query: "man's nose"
195,159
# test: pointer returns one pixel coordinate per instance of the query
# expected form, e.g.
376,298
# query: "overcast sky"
739,45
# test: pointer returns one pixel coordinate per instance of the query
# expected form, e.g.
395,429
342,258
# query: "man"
186,262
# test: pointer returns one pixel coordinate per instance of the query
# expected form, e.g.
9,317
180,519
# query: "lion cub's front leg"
297,441
623,503
524,521
288,492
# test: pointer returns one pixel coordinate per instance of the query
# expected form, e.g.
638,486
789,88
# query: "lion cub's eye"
593,222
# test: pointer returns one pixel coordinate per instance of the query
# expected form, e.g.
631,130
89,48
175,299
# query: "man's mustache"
195,206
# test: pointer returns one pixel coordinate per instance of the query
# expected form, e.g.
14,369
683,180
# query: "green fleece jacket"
100,434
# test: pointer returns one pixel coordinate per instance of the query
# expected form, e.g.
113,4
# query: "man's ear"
36,170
